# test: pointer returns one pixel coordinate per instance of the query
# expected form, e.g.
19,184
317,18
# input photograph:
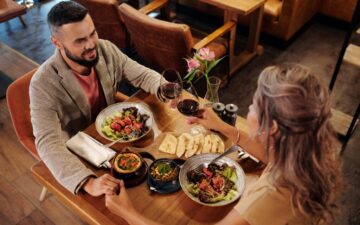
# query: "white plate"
196,160
118,107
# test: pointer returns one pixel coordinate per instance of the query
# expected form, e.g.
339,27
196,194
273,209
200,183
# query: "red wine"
188,107
170,90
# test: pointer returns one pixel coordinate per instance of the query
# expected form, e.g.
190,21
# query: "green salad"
126,125
213,184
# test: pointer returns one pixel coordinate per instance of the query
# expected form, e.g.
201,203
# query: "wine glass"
189,103
170,84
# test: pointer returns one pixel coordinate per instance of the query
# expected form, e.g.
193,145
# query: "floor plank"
341,121
13,205
352,55
13,156
36,218
13,63
51,207
58,213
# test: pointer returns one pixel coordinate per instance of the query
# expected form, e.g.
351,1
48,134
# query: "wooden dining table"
174,208
232,10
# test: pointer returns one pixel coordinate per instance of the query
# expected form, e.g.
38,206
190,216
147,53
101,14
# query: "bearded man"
72,87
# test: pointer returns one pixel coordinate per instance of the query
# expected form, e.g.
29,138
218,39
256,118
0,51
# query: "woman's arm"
210,120
121,205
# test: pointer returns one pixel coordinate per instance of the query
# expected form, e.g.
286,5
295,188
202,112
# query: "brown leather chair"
164,44
18,102
10,9
106,17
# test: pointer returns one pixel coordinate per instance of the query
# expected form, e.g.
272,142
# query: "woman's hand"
106,184
120,204
208,118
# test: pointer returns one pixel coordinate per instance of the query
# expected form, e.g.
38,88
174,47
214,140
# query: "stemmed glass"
189,103
170,84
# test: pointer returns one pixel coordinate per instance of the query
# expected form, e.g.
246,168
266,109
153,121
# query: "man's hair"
65,12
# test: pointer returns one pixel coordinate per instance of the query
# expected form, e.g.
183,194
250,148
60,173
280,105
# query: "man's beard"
81,61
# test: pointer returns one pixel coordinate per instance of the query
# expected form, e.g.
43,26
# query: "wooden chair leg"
43,194
22,21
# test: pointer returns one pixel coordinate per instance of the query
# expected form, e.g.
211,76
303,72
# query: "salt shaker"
219,108
230,114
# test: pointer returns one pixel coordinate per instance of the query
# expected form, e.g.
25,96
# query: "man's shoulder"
108,49
44,71
105,44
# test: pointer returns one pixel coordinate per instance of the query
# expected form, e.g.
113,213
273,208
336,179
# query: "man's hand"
106,184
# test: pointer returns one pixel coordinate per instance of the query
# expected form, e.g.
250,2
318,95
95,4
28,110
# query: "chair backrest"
106,17
10,9
18,101
160,43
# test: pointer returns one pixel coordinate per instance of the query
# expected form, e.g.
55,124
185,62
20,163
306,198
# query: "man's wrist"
159,96
86,186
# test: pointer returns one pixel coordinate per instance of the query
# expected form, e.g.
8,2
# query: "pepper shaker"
230,114
219,108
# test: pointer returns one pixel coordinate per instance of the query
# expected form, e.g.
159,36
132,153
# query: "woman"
289,116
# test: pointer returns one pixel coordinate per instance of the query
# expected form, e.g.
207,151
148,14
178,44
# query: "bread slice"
183,143
207,144
201,144
169,144
195,145
214,142
221,147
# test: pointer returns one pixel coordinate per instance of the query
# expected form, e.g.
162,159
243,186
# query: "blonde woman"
289,116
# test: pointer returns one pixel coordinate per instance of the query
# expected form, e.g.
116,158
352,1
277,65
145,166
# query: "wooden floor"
19,192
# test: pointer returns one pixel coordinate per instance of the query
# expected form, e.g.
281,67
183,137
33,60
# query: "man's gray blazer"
59,108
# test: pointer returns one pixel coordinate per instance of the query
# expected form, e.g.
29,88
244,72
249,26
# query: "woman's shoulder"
263,203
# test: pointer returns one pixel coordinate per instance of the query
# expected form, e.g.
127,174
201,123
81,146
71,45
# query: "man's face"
78,41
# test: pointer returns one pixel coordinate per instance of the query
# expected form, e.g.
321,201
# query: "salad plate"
124,121
213,187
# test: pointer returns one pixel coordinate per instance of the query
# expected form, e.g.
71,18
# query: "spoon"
152,188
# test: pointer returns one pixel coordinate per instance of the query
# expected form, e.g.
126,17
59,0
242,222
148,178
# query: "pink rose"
192,64
206,54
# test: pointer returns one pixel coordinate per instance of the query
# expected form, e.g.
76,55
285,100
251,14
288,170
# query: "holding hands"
105,184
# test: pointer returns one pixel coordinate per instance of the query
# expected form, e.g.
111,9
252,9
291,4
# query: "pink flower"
192,64
206,54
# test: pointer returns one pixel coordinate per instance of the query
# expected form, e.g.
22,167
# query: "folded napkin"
91,150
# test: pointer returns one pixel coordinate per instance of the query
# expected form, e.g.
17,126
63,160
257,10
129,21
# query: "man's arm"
137,74
50,141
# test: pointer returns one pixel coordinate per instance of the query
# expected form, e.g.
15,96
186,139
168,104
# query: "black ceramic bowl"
163,172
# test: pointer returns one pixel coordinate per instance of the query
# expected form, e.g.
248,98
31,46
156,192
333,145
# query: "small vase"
212,92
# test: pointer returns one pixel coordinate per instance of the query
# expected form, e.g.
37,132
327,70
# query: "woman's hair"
303,151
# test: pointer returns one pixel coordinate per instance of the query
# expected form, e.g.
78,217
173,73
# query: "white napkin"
91,150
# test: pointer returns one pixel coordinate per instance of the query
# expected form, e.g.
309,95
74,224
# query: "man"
71,87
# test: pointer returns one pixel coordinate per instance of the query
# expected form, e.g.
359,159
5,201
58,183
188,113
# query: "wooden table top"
242,7
175,208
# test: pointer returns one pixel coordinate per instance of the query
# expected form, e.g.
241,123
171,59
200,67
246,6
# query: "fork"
232,149
108,145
